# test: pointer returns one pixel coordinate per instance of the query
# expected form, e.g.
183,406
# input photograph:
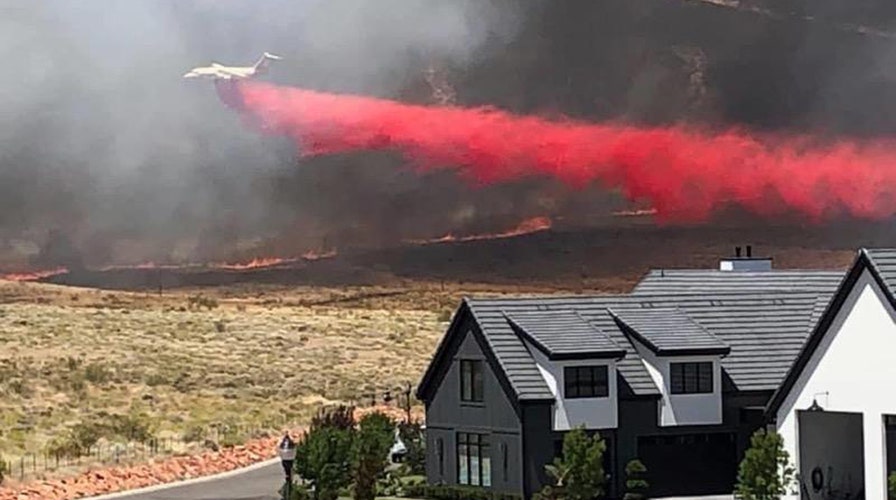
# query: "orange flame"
635,213
33,276
528,226
312,255
256,263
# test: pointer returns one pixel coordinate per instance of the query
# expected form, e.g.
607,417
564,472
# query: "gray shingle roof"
884,262
565,335
680,281
669,330
765,331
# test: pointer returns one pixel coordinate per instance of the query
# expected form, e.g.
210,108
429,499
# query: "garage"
692,464
832,455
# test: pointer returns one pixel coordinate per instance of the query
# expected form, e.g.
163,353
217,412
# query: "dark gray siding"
538,449
496,417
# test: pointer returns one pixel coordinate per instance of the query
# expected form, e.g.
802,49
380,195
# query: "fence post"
21,468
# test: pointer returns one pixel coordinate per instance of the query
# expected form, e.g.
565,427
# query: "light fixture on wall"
815,406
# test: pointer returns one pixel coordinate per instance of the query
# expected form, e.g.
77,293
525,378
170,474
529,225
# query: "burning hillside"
636,108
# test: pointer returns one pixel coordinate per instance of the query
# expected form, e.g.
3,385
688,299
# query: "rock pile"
154,472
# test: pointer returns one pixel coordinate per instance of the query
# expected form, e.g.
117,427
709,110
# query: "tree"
579,474
371,452
765,472
411,434
323,459
339,417
891,486
635,484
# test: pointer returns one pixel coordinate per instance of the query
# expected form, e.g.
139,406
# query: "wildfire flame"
528,226
32,276
635,213
256,263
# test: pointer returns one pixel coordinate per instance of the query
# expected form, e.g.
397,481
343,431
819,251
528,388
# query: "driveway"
258,483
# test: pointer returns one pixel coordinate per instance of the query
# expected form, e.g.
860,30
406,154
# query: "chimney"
747,263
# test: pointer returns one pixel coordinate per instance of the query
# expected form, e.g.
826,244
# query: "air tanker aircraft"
220,72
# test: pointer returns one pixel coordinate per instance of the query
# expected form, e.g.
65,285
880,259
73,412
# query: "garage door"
690,464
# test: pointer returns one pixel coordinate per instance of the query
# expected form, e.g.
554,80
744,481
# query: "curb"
185,482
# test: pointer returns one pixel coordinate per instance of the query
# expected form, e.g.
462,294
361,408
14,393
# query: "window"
474,465
585,382
691,378
470,381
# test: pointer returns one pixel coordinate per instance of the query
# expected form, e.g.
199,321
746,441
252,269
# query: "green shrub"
444,492
4,469
296,492
635,484
765,472
371,452
579,473
891,486
324,459
414,439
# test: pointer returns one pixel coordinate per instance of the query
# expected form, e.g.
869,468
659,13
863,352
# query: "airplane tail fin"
264,61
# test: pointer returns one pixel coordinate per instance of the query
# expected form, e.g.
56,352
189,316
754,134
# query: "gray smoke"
107,154
102,139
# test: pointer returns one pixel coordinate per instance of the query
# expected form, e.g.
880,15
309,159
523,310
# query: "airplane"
220,72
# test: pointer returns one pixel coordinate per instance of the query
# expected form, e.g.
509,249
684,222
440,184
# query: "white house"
836,406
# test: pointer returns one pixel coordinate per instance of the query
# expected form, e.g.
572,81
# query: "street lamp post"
287,452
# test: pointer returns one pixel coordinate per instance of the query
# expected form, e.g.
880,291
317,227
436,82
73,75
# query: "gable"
444,408
463,325
862,275
854,352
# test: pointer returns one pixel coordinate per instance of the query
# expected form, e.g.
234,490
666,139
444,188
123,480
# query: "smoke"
100,138
106,155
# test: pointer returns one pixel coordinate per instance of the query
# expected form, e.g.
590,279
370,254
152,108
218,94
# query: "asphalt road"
258,484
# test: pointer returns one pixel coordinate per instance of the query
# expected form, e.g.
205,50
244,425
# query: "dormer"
578,363
684,360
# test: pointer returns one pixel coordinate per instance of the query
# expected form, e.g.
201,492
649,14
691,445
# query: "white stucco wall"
855,365
593,413
683,409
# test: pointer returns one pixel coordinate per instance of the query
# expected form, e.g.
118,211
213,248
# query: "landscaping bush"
579,473
765,472
373,440
891,486
4,469
411,434
635,484
442,492
324,459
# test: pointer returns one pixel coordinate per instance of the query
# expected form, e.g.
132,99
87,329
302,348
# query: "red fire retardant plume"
685,174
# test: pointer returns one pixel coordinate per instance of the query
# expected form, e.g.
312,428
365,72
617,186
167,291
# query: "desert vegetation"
81,369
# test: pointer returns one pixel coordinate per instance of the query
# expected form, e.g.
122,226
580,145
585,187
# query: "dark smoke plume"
102,142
